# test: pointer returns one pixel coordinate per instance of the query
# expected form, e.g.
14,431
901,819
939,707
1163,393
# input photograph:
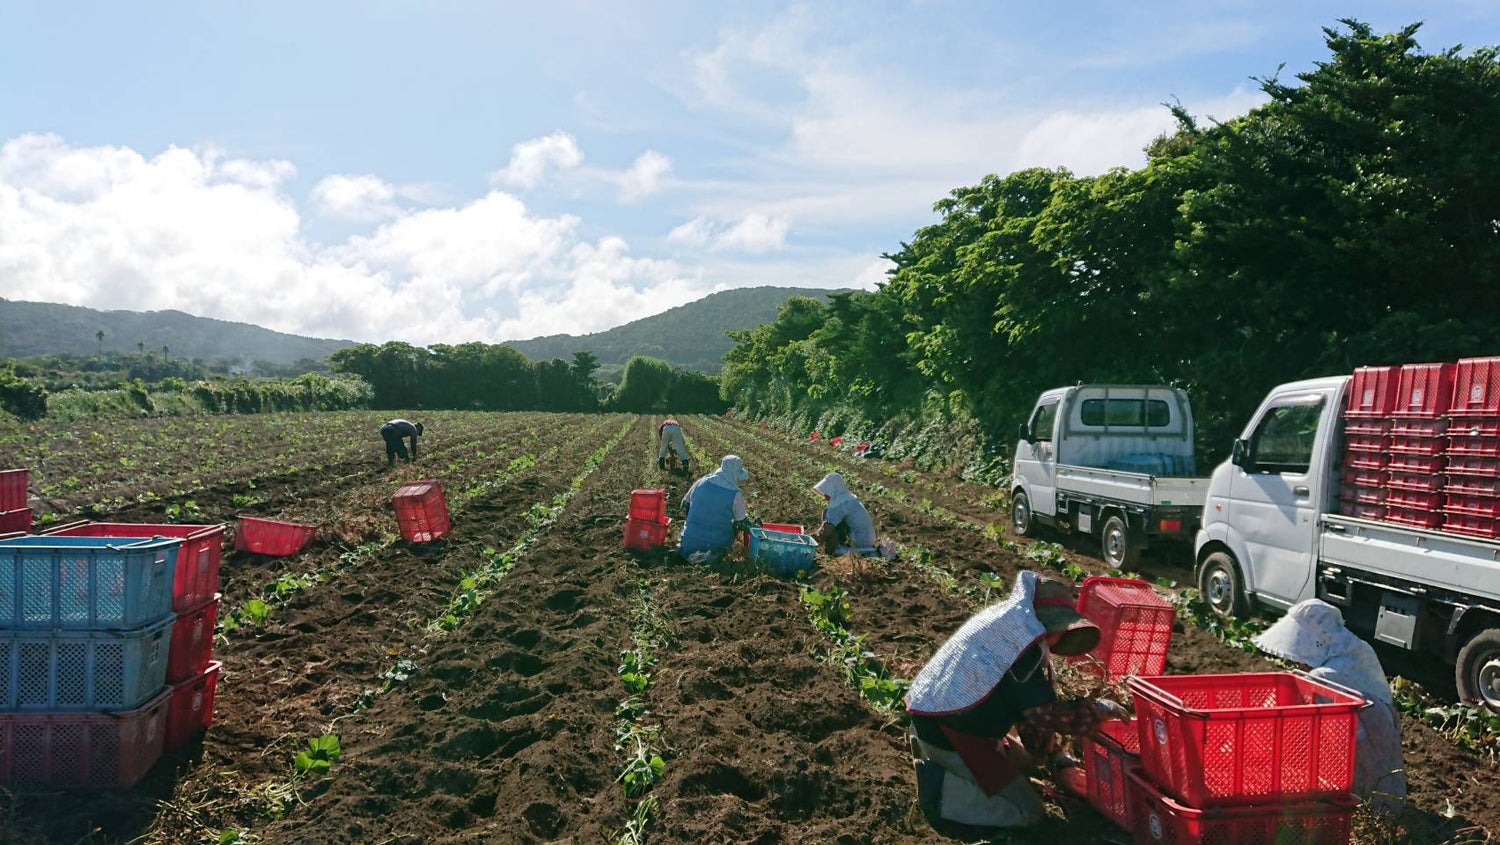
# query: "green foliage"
635,670
22,397
650,385
319,755
477,376
830,613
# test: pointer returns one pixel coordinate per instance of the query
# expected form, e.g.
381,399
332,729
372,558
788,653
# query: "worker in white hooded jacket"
715,510
847,527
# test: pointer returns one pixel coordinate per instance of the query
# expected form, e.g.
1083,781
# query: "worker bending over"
1312,633
669,436
395,433
991,676
715,509
846,527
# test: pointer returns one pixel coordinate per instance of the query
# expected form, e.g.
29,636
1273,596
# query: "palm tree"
140,346
99,335
166,351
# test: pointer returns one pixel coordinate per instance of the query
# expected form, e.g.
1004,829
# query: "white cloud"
109,228
362,198
530,160
873,274
754,232
645,176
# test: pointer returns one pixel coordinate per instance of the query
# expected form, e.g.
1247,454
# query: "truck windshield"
1042,421
1141,413
1283,442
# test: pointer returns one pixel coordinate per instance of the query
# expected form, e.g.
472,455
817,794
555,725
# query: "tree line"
1353,219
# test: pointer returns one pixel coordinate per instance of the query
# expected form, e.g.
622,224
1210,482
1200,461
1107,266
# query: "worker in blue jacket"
715,510
395,433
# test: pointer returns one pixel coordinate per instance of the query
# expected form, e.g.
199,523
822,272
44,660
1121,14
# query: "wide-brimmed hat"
1055,608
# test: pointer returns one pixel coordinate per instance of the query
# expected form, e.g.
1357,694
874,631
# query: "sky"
452,171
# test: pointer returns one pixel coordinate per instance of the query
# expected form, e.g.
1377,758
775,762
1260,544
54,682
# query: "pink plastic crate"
643,535
1367,426
272,537
1368,461
197,576
1473,526
1476,388
1363,496
1372,392
1417,463
192,641
1415,483
1348,507
1485,506
1474,447
649,505
1365,478
1414,518
421,511
1411,500
1419,427
1366,443
13,484
1474,427
1108,759
1419,446
40,751
1423,390
1482,467
1135,626
191,708
1465,485
1246,738
1156,818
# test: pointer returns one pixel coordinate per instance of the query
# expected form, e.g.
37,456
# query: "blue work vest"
710,521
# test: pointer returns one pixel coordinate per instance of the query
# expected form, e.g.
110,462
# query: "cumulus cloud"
531,160
361,199
645,176
108,227
753,232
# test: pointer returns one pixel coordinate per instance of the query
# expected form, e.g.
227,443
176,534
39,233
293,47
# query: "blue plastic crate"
782,553
85,583
83,670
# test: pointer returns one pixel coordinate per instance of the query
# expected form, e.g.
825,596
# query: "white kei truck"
1111,461
1272,536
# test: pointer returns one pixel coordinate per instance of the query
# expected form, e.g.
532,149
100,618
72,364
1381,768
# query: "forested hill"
690,336
44,328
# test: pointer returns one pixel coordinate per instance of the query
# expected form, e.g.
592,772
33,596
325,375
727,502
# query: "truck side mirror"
1023,432
1239,455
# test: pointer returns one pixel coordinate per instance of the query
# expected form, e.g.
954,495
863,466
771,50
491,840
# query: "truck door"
1272,497
1036,460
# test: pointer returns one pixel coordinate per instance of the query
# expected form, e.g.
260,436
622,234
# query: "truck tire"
1219,585
1478,670
1020,515
1122,550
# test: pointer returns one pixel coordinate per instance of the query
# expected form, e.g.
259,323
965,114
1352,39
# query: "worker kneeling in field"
669,436
715,509
991,676
1312,633
395,433
846,524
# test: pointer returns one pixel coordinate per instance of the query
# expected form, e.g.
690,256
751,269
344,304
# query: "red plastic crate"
1465,485
1365,478
272,537
784,528
1415,483
1485,506
421,511
1135,625
1363,496
1366,443
1417,463
40,751
1246,738
1474,447
192,645
1415,518
649,505
1412,500
1476,388
16,520
1474,526
1423,390
1108,758
1419,446
13,482
197,576
1368,426
643,535
190,710
1352,508
1368,461
1156,818
1372,392
1474,427
1419,427
1482,467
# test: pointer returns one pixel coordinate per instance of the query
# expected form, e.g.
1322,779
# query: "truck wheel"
1219,585
1478,670
1121,550
1020,515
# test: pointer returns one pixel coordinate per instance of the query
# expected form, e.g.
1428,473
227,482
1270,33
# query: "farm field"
513,682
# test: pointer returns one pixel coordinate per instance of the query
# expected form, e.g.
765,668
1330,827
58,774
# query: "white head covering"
730,473
975,659
834,488
1313,632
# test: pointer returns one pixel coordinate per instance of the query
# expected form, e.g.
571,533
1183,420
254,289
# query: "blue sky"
446,171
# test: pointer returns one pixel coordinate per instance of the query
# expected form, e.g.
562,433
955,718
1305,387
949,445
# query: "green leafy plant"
319,755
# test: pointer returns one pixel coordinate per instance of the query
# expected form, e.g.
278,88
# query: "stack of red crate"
1367,440
1419,445
1472,497
646,527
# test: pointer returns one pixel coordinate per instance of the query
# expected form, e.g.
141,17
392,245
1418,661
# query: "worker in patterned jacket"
993,676
669,436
